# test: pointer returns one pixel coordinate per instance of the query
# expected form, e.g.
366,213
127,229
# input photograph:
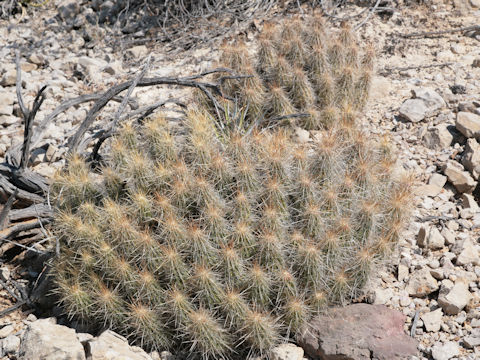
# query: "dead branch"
388,70
441,32
210,89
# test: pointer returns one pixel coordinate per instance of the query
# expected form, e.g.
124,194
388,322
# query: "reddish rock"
358,332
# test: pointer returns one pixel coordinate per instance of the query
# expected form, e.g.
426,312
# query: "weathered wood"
34,211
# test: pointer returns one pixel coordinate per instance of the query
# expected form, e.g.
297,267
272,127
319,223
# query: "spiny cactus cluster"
300,68
221,243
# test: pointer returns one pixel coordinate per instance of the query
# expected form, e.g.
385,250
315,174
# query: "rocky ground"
425,96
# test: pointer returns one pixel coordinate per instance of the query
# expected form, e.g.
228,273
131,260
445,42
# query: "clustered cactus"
300,68
218,241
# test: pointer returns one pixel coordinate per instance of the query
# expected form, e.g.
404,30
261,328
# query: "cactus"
299,68
221,243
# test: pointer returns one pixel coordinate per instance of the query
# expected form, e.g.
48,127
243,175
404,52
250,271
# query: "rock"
10,344
44,340
430,238
434,186
6,102
402,272
111,346
287,352
303,136
448,236
445,351
468,124
471,157
475,4
432,320
68,9
476,63
382,296
357,332
413,110
468,202
438,137
421,283
138,51
6,330
468,255
37,59
459,178
430,97
472,340
9,78
455,299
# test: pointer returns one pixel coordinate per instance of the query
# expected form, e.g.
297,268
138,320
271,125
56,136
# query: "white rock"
421,283
434,186
413,110
438,137
459,178
430,238
448,236
9,78
445,351
471,157
432,320
6,330
455,299
287,352
111,346
44,340
430,97
10,344
138,51
469,254
303,136
383,296
472,341
468,124
402,272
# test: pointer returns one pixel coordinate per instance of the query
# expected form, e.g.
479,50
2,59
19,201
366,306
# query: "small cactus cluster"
222,243
300,68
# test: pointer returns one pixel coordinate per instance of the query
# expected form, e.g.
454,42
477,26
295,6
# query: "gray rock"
432,320
10,344
438,137
111,346
358,332
445,351
413,110
287,352
68,9
448,236
453,300
472,340
402,272
6,103
468,124
430,97
421,283
471,157
469,254
44,340
459,178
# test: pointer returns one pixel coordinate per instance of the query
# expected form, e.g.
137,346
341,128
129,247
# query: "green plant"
222,242
300,68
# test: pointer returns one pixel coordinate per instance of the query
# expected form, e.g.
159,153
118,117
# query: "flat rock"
434,186
44,340
459,178
438,137
468,124
287,352
358,332
432,320
453,300
10,344
111,346
445,351
421,283
413,110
